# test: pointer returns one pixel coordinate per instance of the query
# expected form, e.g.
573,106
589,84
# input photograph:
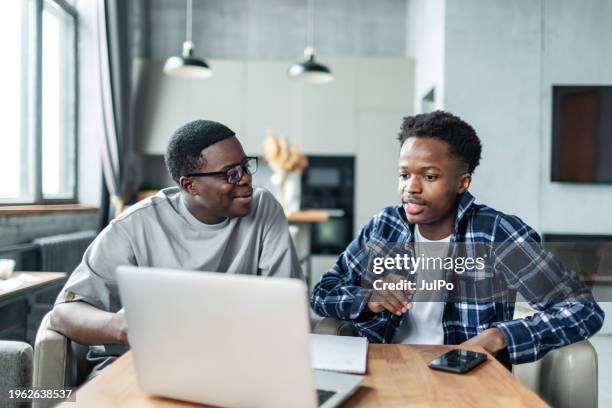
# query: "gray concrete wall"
425,43
501,60
23,229
271,29
576,50
492,80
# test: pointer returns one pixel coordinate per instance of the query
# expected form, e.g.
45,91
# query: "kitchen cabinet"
164,103
376,164
270,100
359,113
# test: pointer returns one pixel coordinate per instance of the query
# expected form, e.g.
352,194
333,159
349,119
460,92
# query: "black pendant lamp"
187,65
310,70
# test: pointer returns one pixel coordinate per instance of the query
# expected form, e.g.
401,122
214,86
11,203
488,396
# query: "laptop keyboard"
324,395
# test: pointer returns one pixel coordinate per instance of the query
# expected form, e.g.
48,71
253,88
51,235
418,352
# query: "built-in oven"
329,183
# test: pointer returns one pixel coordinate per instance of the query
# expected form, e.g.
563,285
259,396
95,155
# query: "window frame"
31,118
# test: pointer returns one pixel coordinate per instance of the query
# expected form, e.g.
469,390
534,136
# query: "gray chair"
564,378
15,369
58,362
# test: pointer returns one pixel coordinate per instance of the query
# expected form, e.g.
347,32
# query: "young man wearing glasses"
213,221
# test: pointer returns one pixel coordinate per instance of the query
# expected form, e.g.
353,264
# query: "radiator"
26,256
62,253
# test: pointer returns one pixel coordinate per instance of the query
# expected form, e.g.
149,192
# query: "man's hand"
120,327
397,302
492,340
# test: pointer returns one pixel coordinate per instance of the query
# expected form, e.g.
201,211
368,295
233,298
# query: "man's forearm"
492,340
88,325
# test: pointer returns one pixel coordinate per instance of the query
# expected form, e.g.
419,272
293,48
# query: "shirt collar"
465,201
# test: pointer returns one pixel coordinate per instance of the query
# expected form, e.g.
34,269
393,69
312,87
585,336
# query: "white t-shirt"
423,323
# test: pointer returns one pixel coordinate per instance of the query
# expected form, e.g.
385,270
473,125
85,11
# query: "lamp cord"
310,38
188,17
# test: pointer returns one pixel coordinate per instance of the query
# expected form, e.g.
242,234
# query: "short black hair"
463,141
184,153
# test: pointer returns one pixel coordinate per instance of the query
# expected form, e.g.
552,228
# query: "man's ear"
464,183
187,184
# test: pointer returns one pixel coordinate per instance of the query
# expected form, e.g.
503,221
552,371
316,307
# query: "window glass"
11,100
58,61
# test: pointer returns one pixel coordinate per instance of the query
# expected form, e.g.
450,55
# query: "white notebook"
339,353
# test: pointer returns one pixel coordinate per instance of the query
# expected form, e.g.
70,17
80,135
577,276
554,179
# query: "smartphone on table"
458,361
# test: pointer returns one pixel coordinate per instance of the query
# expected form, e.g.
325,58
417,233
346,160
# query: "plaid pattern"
566,311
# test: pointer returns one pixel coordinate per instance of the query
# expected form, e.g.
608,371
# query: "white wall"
425,44
501,59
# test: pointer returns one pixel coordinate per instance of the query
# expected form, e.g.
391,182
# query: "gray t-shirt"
161,232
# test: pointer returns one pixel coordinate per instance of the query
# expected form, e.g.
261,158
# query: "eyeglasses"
234,174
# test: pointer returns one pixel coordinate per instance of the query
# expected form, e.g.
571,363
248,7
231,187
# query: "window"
38,134
11,81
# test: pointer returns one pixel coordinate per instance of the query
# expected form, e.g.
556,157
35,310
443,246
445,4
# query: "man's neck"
439,229
201,214
434,232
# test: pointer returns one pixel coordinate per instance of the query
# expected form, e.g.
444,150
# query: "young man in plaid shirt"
438,155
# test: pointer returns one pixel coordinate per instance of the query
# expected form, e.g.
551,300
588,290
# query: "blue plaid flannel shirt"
559,320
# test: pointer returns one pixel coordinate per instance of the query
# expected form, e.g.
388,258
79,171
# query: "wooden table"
17,303
397,376
308,217
42,279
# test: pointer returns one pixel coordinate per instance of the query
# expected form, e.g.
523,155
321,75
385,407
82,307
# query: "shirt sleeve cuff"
362,298
520,342
70,296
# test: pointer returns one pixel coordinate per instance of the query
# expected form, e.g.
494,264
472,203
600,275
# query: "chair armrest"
565,377
15,369
572,376
51,357
335,327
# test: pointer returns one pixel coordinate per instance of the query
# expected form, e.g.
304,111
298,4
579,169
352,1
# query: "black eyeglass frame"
242,166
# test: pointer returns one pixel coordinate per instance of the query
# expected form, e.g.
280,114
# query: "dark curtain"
118,158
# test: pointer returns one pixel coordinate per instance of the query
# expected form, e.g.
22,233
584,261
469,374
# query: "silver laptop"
225,340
